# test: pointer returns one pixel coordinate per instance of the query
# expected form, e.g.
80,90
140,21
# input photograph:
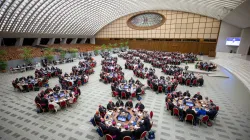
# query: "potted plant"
27,54
126,44
48,54
103,47
121,45
62,53
110,47
3,63
96,51
73,52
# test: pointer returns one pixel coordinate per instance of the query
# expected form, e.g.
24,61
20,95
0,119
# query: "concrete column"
245,42
63,41
83,40
51,41
19,42
36,42
92,40
73,41
1,40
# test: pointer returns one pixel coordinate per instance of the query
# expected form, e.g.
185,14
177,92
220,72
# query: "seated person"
44,103
56,88
212,113
127,132
114,131
119,103
129,104
146,122
102,110
198,96
97,117
191,111
103,127
201,113
71,98
170,106
139,131
110,105
140,106
56,106
38,98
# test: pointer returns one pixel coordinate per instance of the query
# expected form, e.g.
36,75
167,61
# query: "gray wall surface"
245,41
227,30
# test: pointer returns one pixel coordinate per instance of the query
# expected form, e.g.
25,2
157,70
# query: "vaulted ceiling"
87,17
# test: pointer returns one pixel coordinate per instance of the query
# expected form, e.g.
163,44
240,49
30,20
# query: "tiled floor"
19,121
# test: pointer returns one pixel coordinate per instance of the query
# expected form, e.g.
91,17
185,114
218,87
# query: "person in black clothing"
110,105
129,104
119,103
170,106
212,113
44,103
38,98
140,106
97,118
139,131
103,127
190,111
102,110
126,132
114,131
198,96
146,122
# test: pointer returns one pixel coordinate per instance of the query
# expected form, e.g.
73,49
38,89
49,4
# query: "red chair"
160,89
40,84
70,84
108,137
56,73
79,83
31,87
51,107
151,114
142,92
63,104
114,79
194,82
217,108
142,75
189,117
123,95
204,119
114,93
74,100
151,86
176,111
133,95
127,138
169,89
143,135
105,80
188,82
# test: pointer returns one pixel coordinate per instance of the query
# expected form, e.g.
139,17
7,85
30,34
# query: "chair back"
51,107
133,94
79,82
205,118
151,114
63,104
115,93
108,137
143,135
123,94
159,88
189,117
127,138
142,92
217,108
176,111
70,83
151,86
74,100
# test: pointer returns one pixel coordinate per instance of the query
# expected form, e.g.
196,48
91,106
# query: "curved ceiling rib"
87,17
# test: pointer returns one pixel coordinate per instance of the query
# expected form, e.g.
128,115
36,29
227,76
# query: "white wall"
245,41
227,30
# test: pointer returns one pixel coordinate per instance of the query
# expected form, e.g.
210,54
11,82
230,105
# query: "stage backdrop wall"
181,31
